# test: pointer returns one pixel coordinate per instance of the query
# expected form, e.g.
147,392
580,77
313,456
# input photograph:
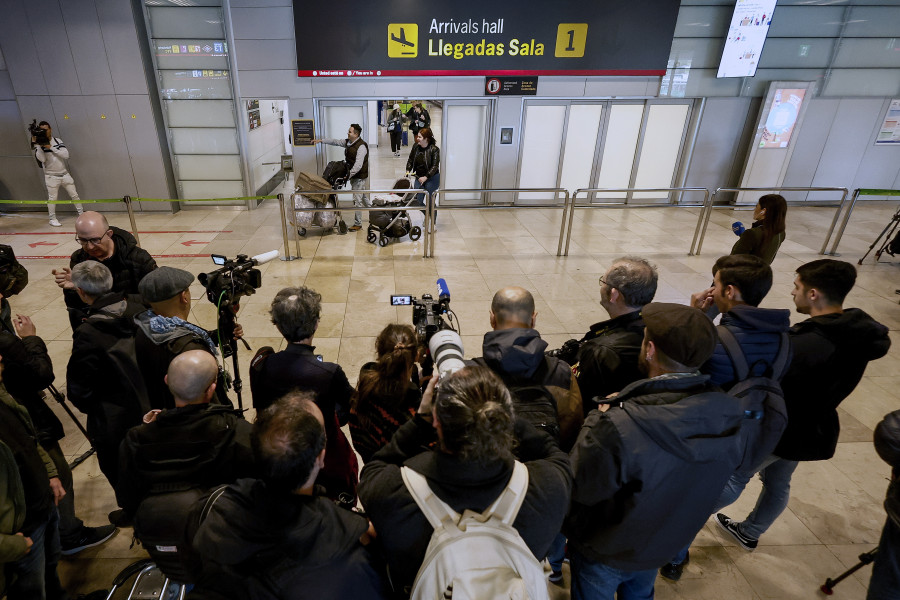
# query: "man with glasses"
116,249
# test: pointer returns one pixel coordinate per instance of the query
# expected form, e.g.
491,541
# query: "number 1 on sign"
571,39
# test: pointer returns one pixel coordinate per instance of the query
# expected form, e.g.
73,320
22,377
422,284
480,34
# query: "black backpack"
13,276
761,398
894,247
532,400
336,169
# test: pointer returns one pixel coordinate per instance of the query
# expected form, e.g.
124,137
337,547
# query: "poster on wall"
782,118
473,37
889,132
303,132
255,121
746,37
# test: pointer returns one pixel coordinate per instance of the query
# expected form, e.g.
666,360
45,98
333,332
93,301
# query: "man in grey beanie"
651,461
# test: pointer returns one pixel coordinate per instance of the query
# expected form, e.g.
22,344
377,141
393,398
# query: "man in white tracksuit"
52,158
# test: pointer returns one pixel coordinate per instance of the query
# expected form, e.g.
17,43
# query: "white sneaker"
55,223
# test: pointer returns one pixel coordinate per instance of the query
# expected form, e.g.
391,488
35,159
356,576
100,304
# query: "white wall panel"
811,139
718,143
618,153
204,140
209,167
123,48
581,142
86,43
268,23
541,149
462,160
266,55
659,150
57,64
20,51
144,150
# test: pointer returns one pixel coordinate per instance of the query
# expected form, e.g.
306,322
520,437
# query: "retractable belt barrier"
431,214
574,204
856,195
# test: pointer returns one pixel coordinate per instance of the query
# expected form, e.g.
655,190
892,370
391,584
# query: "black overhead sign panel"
361,38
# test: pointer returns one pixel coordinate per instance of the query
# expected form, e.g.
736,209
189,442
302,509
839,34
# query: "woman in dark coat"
767,233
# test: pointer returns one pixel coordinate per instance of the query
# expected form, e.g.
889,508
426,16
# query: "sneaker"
54,222
90,537
355,228
673,571
556,577
120,518
734,528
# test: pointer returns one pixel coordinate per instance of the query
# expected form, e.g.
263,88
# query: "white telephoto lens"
447,352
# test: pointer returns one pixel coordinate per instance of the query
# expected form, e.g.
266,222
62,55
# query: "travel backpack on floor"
531,398
475,556
761,397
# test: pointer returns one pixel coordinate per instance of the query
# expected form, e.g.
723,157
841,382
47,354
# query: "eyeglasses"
602,280
90,241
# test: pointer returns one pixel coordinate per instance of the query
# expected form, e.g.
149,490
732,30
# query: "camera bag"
13,276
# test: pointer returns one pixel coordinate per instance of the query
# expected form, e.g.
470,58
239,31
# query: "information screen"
746,36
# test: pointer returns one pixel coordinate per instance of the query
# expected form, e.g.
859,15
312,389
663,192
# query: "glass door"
464,148
335,118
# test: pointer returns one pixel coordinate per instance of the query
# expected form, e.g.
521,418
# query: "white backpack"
476,555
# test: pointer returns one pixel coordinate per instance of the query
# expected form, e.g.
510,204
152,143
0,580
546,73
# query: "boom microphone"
261,259
738,228
443,289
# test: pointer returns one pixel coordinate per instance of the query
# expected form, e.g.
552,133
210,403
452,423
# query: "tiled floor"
835,510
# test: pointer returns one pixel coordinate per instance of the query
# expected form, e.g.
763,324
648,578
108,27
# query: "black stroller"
394,223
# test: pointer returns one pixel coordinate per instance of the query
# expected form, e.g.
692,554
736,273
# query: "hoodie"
649,471
279,543
831,353
758,332
887,444
516,354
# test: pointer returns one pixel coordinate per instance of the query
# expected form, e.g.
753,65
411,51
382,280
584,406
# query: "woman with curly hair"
386,395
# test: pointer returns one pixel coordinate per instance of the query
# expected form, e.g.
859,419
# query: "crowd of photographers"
611,452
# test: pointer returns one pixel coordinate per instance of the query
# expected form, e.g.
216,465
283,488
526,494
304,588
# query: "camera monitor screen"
218,259
401,300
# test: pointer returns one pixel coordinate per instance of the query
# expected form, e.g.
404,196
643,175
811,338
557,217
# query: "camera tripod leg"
864,559
892,225
61,400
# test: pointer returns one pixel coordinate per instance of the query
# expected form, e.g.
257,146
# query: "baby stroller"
395,223
334,177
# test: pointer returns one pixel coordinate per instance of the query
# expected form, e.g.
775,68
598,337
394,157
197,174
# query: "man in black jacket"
102,377
885,582
607,359
163,332
295,312
649,467
115,248
831,351
194,445
278,537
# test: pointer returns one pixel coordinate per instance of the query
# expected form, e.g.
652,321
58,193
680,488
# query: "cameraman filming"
51,155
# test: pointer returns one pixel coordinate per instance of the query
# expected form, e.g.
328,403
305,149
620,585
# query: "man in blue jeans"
831,351
649,463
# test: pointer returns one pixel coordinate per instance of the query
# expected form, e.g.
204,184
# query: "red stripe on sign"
438,73
153,255
140,232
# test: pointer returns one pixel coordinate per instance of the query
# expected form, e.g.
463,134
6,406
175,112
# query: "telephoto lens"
446,351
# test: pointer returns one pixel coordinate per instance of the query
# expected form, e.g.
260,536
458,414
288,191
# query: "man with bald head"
115,248
194,445
515,351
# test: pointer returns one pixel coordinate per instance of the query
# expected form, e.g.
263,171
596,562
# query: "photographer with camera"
113,247
606,359
478,444
164,332
651,462
295,312
51,155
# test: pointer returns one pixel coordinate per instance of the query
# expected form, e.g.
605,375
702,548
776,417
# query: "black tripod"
864,559
229,345
892,226
61,399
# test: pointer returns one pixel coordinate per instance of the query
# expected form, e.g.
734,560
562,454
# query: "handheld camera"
40,135
434,324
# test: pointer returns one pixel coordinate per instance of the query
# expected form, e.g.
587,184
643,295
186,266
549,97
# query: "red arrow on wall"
192,242
36,244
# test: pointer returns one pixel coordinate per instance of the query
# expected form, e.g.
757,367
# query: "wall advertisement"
782,118
889,132
746,37
472,37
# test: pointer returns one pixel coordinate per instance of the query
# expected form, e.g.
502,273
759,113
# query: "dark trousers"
395,139
885,582
33,577
69,525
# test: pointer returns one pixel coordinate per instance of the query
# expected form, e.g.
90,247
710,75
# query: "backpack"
531,398
336,169
761,398
894,247
13,276
476,555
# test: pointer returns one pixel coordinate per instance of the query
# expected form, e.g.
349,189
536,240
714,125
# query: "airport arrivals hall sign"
361,38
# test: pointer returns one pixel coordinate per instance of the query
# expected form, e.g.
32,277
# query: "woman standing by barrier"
425,162
767,233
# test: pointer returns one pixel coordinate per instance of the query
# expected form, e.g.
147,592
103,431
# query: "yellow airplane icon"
403,40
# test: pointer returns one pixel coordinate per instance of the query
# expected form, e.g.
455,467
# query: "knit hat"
683,333
164,283
396,106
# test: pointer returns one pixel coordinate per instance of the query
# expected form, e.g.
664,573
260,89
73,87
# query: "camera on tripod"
235,279
39,134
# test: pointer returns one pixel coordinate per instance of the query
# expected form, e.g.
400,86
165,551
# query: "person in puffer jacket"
885,582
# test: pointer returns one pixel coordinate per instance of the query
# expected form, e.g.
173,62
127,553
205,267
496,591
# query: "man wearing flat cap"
164,332
650,463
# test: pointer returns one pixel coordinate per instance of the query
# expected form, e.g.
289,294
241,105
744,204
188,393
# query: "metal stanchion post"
712,201
134,229
571,217
840,233
562,225
429,222
284,231
707,205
